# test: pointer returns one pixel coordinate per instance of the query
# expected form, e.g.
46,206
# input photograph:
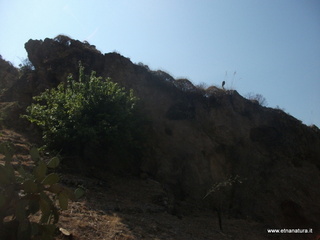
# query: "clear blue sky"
272,45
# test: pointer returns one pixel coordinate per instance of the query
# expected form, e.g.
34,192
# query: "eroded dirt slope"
134,208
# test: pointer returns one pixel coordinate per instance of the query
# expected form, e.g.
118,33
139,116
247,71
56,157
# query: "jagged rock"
198,138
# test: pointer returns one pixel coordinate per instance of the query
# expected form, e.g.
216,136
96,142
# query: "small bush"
258,98
202,86
219,194
24,194
144,66
85,116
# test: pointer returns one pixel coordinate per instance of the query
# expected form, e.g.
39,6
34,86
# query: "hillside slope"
197,138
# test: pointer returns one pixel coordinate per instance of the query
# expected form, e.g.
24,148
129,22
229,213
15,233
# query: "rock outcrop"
8,75
200,137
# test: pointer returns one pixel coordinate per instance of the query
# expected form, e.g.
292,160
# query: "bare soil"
132,208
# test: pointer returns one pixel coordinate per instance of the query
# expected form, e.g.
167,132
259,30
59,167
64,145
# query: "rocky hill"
268,161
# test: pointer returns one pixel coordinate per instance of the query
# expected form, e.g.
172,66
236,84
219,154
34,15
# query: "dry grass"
133,208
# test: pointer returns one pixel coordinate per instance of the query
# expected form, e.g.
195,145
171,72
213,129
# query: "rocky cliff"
198,138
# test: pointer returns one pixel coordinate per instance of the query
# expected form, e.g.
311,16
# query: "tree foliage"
87,114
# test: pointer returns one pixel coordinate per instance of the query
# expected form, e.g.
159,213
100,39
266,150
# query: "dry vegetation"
133,208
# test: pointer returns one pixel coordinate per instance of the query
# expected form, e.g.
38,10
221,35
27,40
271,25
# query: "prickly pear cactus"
25,193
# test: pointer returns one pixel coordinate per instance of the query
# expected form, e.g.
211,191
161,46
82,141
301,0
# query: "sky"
267,47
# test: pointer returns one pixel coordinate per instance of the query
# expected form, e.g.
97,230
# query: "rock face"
198,138
8,75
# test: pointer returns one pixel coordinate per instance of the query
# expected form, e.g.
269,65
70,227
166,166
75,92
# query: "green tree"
85,116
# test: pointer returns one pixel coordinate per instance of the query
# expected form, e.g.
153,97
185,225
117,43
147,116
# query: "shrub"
24,194
258,98
202,86
85,115
219,192
144,66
